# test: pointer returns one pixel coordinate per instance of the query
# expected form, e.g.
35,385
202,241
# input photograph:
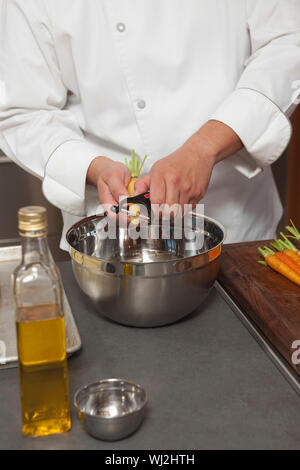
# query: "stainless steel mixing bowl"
145,282
111,409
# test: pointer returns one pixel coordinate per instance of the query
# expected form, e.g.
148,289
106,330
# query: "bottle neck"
35,249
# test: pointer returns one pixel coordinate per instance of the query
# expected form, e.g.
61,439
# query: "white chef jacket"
82,78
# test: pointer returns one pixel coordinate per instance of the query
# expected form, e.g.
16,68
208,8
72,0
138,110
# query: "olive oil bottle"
40,331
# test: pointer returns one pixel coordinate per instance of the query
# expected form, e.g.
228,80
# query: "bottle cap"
32,219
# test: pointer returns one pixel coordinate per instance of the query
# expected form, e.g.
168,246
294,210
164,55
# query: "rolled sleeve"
64,183
262,127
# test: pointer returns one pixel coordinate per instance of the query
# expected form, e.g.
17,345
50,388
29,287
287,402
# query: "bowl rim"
137,263
110,418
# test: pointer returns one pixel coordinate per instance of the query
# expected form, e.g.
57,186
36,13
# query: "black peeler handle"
139,199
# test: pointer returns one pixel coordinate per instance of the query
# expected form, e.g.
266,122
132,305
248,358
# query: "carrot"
130,187
285,259
135,168
294,256
288,261
276,263
288,249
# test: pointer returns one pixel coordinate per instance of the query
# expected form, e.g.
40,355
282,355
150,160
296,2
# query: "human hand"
180,178
110,178
183,176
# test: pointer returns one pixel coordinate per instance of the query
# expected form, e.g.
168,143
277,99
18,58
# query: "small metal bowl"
111,409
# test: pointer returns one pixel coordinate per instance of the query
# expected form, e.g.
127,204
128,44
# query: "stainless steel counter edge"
286,370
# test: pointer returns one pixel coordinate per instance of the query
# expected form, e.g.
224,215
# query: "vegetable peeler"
143,199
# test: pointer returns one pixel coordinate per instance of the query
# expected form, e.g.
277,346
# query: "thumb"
142,185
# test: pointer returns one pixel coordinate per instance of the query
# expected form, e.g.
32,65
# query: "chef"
205,88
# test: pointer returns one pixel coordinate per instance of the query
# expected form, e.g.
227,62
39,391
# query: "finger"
106,199
157,193
172,197
142,185
126,177
157,189
117,187
184,200
193,203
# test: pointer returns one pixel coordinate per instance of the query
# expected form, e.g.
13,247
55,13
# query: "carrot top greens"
284,244
294,231
134,165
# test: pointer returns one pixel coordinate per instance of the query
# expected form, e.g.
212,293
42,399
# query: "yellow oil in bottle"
43,371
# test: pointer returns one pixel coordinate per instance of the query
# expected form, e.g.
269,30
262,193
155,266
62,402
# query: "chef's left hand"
183,176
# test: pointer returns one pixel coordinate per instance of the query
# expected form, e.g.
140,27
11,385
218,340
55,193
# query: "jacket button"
121,27
141,104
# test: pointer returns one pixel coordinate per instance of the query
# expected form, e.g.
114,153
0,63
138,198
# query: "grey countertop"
210,385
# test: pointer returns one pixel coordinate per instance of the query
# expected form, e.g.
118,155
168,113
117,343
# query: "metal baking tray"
9,259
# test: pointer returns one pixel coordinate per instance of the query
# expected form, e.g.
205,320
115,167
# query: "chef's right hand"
110,178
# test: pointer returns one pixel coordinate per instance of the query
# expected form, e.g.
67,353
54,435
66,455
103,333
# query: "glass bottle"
40,330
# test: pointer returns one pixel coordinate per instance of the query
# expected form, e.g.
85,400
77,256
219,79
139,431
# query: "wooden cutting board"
268,298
